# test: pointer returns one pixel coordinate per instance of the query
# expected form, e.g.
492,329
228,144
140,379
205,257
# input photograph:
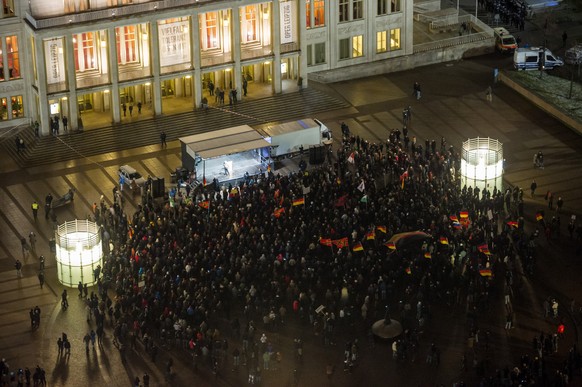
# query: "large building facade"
111,58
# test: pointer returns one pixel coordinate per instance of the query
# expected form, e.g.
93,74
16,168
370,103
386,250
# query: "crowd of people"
512,12
315,242
254,250
21,376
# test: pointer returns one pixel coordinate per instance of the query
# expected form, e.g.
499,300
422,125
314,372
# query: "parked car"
131,177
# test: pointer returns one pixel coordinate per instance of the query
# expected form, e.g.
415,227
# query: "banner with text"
55,61
174,43
288,22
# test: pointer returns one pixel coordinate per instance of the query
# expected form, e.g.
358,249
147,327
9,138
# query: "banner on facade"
55,61
174,42
288,32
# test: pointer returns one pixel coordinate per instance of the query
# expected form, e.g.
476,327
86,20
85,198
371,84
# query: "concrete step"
120,137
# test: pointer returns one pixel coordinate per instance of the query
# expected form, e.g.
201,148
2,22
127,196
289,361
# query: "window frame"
346,50
344,11
398,38
316,51
318,13
357,46
381,42
12,57
357,9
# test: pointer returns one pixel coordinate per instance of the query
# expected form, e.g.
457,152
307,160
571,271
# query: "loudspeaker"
158,187
316,154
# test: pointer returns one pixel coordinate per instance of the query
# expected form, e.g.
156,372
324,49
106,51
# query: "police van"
535,58
504,41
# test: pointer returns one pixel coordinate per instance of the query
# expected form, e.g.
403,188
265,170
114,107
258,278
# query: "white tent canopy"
223,142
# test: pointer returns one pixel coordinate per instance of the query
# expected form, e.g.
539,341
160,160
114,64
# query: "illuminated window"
357,46
84,51
249,23
395,6
127,49
8,8
381,41
308,13
358,9
382,7
344,48
12,57
319,12
17,108
395,39
3,109
209,27
344,10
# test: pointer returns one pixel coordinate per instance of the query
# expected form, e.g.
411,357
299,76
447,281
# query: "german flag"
390,245
278,212
325,241
444,241
381,229
358,247
464,214
371,236
454,218
539,216
408,271
484,248
205,204
298,202
340,243
485,272
428,255
512,224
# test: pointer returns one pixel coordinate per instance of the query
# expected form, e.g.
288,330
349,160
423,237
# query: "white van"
504,41
529,59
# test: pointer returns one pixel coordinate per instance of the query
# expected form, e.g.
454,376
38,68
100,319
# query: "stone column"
71,82
155,55
276,44
114,74
236,46
43,118
303,41
196,61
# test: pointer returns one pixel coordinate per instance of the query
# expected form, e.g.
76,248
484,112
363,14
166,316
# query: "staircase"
282,107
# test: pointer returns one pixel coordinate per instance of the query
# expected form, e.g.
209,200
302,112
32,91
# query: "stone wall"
408,62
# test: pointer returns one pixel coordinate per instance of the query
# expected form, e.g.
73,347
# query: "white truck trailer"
289,138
